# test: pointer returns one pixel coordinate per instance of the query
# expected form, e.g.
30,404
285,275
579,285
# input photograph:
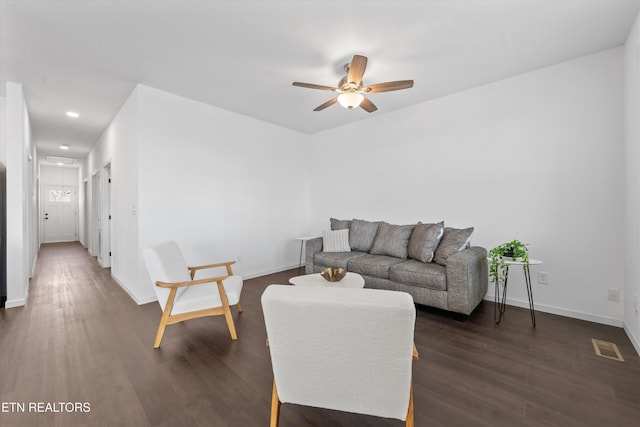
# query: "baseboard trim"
270,271
21,302
632,338
562,312
33,266
146,300
139,301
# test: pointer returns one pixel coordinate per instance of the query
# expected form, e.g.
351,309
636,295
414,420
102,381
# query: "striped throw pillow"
335,241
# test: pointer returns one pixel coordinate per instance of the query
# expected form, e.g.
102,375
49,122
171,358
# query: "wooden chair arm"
227,264
191,282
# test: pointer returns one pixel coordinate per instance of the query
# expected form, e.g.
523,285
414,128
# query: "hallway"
68,342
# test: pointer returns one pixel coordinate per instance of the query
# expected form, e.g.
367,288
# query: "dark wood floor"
82,339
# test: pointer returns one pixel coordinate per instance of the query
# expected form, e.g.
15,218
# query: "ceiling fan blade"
356,69
389,86
329,103
312,86
368,106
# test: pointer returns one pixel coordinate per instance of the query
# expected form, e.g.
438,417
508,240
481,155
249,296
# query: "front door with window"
59,220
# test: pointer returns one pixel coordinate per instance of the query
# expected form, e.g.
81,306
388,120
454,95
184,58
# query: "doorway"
60,213
101,208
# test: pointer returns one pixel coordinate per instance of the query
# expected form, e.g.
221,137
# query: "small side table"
302,242
500,306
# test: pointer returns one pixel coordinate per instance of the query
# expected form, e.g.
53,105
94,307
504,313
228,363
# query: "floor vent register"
607,349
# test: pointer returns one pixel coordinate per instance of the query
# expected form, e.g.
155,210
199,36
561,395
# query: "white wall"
21,196
537,157
117,146
83,193
58,175
33,196
220,184
632,180
122,137
3,131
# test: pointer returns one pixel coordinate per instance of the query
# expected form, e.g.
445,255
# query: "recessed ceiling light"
60,164
64,147
73,114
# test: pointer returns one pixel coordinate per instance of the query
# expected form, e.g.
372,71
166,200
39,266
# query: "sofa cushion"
362,234
424,241
453,240
373,265
335,259
392,240
417,273
340,224
336,241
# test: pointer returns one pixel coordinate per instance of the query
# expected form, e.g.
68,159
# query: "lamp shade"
350,99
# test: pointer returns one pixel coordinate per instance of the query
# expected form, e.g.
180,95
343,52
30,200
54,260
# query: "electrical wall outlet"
636,301
614,295
543,277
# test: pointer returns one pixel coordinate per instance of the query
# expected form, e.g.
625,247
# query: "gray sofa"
433,263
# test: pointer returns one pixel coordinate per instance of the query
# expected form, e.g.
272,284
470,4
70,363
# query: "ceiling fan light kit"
350,100
351,89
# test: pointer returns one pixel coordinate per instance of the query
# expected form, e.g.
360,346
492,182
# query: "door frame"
104,257
42,204
95,214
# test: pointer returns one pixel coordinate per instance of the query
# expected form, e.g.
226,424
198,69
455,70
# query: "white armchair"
181,297
342,349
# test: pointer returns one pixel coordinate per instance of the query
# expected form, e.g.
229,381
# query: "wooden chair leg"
227,311
165,317
410,416
275,407
239,307
160,333
230,325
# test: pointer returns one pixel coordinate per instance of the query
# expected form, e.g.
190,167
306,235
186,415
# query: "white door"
59,220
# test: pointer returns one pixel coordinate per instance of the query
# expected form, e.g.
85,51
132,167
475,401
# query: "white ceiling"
242,56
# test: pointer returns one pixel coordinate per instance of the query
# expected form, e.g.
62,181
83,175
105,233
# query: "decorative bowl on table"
333,274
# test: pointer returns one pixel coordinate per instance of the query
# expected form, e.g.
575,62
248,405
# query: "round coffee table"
351,280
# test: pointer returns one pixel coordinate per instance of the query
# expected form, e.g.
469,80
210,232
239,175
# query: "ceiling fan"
351,89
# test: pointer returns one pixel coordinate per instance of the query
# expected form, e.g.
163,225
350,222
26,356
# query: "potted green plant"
514,249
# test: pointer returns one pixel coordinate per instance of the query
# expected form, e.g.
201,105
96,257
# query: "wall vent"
607,349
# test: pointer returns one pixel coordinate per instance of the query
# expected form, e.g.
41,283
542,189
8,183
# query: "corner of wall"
634,340
632,182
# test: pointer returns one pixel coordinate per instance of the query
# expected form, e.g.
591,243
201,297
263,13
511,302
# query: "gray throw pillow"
392,240
454,240
424,241
361,234
340,224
